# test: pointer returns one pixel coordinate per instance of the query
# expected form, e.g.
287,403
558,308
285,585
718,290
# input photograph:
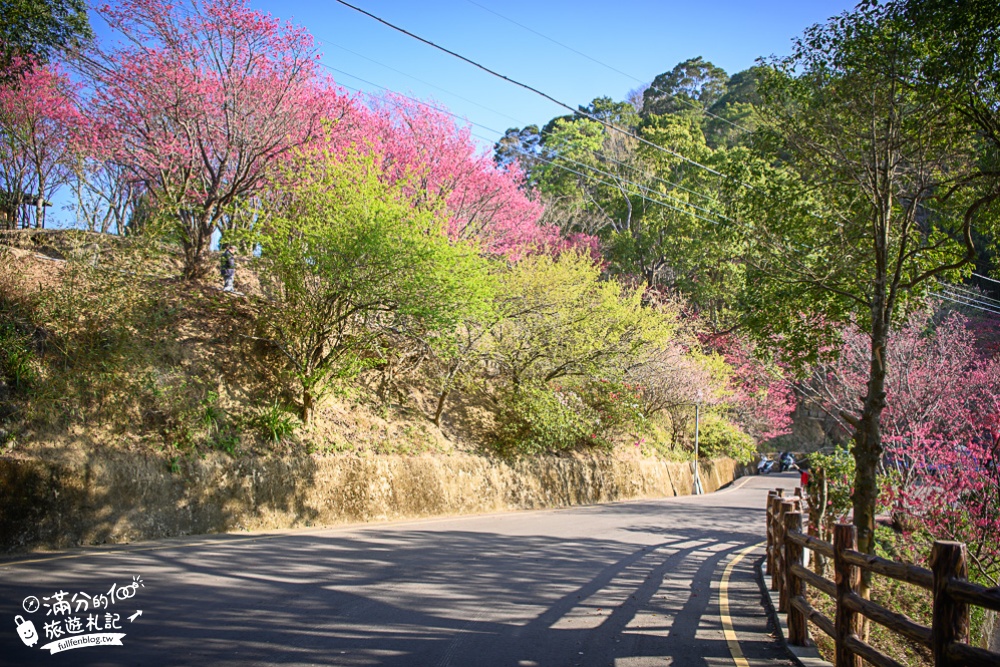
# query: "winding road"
625,584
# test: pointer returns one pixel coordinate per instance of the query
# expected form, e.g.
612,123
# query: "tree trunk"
868,443
196,236
442,397
307,406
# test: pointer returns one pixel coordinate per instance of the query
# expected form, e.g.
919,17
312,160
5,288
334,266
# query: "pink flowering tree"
942,425
41,129
762,400
485,202
203,103
954,492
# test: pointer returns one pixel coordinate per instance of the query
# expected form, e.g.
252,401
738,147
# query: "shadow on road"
639,586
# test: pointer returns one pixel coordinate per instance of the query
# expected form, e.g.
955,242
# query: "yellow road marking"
727,620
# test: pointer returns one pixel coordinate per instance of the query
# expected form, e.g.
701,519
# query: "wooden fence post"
950,618
798,633
848,579
770,533
787,507
819,481
773,518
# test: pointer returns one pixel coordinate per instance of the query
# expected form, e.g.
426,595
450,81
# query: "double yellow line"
727,620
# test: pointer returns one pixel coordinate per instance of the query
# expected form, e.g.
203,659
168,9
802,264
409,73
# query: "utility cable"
598,153
966,299
536,157
971,293
964,303
986,278
417,79
772,244
609,67
639,194
538,92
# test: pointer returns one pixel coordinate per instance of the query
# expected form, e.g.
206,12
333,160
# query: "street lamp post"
697,423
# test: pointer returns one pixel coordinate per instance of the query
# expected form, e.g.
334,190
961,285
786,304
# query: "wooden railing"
947,583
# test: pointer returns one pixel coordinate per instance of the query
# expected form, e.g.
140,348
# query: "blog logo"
79,620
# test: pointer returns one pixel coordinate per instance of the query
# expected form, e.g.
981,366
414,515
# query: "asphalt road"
625,585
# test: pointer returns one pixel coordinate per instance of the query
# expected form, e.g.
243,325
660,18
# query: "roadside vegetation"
815,232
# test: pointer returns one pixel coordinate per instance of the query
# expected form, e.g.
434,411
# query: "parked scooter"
765,466
786,462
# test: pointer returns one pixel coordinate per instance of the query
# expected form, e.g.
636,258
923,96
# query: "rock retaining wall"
124,498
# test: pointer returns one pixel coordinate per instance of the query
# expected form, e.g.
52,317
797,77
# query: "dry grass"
186,374
131,358
895,596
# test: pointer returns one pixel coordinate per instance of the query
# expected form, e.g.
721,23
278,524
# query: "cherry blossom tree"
204,102
942,428
485,201
936,371
762,398
41,128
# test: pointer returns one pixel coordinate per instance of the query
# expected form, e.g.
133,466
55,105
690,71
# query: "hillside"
104,348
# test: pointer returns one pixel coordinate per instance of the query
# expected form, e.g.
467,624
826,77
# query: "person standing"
227,266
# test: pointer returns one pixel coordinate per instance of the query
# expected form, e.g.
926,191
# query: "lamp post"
697,423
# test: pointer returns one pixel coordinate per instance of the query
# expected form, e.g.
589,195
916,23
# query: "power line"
641,187
986,278
417,79
607,66
972,293
657,178
638,186
604,173
599,153
545,95
638,194
968,299
536,157
964,303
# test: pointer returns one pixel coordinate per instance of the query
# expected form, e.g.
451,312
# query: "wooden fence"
947,583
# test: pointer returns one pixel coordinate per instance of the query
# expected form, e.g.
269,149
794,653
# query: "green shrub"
275,422
543,418
719,437
830,489
17,359
346,258
539,419
616,406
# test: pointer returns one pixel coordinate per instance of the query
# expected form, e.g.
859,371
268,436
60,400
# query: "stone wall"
126,498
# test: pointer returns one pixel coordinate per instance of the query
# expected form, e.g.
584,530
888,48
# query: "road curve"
620,585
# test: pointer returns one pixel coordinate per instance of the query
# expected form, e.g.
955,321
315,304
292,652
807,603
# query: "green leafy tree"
861,189
960,55
681,241
521,146
692,84
559,319
658,215
348,259
593,169
731,119
41,28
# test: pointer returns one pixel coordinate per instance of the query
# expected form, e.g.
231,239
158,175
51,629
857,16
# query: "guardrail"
947,582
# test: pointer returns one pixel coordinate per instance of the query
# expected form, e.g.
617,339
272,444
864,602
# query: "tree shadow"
414,596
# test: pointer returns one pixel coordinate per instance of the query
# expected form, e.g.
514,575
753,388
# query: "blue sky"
640,38
637,37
